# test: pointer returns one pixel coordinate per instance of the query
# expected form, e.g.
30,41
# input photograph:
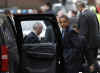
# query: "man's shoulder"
88,13
31,35
50,12
71,31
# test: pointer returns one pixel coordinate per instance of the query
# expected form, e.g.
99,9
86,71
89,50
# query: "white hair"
36,25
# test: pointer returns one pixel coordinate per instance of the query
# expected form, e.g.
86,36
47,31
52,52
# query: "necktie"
63,34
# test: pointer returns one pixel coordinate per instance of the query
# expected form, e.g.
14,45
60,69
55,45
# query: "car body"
19,57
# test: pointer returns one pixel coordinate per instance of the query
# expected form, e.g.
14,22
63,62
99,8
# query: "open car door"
43,56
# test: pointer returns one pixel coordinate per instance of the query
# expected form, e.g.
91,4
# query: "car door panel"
39,57
42,50
36,60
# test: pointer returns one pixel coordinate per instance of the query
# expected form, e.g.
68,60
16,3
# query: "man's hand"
92,68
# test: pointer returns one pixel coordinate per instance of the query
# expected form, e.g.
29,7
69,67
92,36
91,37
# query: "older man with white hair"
33,36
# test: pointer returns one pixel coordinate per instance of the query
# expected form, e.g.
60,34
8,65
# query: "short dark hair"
49,5
80,3
7,12
75,12
36,25
64,16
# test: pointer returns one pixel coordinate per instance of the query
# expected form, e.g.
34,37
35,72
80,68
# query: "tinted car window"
43,35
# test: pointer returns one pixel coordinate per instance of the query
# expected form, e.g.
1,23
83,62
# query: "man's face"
58,19
46,7
39,29
64,22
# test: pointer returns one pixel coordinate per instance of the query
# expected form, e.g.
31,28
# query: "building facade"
23,3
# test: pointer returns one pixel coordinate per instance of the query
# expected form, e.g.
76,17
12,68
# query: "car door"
38,57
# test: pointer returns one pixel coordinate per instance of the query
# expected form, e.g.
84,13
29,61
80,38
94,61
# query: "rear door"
43,56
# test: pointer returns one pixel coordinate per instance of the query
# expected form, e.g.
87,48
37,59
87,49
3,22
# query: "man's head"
38,28
8,13
48,6
74,13
60,13
64,21
43,8
80,5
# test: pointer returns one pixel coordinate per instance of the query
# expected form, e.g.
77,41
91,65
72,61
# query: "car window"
37,31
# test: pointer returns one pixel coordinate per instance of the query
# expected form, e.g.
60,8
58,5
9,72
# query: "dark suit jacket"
71,39
88,28
31,38
72,47
73,20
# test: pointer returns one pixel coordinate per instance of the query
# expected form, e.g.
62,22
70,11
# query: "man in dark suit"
10,29
33,36
88,26
48,8
72,51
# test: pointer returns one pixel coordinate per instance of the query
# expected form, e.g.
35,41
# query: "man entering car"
33,36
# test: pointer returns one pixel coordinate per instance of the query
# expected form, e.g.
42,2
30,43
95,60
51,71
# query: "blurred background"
66,5
36,3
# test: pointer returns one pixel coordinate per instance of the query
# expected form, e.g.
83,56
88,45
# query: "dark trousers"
72,60
72,68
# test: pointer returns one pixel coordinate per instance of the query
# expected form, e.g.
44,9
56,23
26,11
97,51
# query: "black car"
20,57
